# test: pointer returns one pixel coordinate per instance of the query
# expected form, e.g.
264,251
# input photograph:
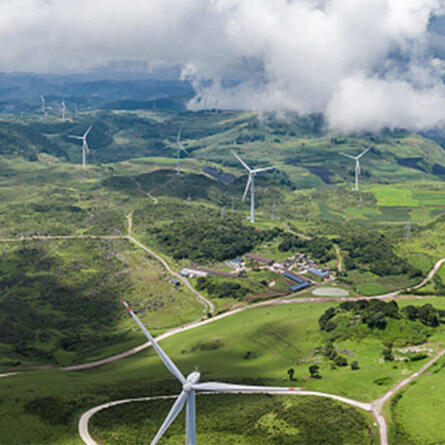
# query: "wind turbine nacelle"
193,378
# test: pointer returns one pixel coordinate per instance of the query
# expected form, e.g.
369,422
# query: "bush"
355,365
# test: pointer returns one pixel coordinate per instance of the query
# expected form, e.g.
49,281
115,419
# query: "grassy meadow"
60,299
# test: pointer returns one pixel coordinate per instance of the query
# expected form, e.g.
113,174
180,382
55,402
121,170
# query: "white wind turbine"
191,385
251,183
85,148
180,147
63,109
357,165
42,98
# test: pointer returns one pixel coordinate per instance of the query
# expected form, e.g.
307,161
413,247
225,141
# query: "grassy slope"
74,287
279,338
417,416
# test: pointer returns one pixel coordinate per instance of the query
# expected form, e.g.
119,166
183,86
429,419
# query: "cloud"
366,64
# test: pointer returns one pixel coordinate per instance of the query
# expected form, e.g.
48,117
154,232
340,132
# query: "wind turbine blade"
242,162
348,156
164,357
75,137
228,387
178,138
171,416
86,133
265,169
363,153
86,147
249,181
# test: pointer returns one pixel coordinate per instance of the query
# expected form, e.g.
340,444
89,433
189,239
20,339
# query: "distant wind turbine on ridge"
180,147
357,165
42,98
251,184
63,108
85,148
191,385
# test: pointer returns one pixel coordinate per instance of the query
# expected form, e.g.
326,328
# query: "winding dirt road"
377,405
430,275
208,305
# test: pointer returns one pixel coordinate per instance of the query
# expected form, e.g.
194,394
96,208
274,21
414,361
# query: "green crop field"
393,197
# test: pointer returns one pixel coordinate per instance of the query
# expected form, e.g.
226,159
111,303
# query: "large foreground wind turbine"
85,148
251,184
190,386
357,165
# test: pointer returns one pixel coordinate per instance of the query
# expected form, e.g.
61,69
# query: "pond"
330,292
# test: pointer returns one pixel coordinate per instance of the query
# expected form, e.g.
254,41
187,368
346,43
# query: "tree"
387,353
314,371
290,373
340,361
355,365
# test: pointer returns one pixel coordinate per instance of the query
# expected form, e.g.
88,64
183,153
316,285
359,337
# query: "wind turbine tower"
179,147
251,184
191,385
63,109
42,98
357,165
85,148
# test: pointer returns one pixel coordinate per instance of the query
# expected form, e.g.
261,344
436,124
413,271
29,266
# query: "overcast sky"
366,64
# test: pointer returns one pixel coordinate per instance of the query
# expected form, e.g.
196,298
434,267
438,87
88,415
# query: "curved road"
86,416
430,275
208,305
377,405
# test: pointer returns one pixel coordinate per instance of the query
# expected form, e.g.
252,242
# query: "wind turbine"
85,148
251,183
42,98
357,165
63,108
190,386
178,153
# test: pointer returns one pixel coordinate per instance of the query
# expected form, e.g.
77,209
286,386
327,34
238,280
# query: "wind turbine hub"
187,387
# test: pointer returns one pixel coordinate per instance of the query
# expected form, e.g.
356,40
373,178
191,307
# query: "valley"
75,241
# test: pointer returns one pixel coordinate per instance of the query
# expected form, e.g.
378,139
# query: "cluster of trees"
209,239
426,314
320,248
26,141
222,289
375,251
375,314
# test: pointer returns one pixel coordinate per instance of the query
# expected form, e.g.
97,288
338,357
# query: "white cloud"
362,62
